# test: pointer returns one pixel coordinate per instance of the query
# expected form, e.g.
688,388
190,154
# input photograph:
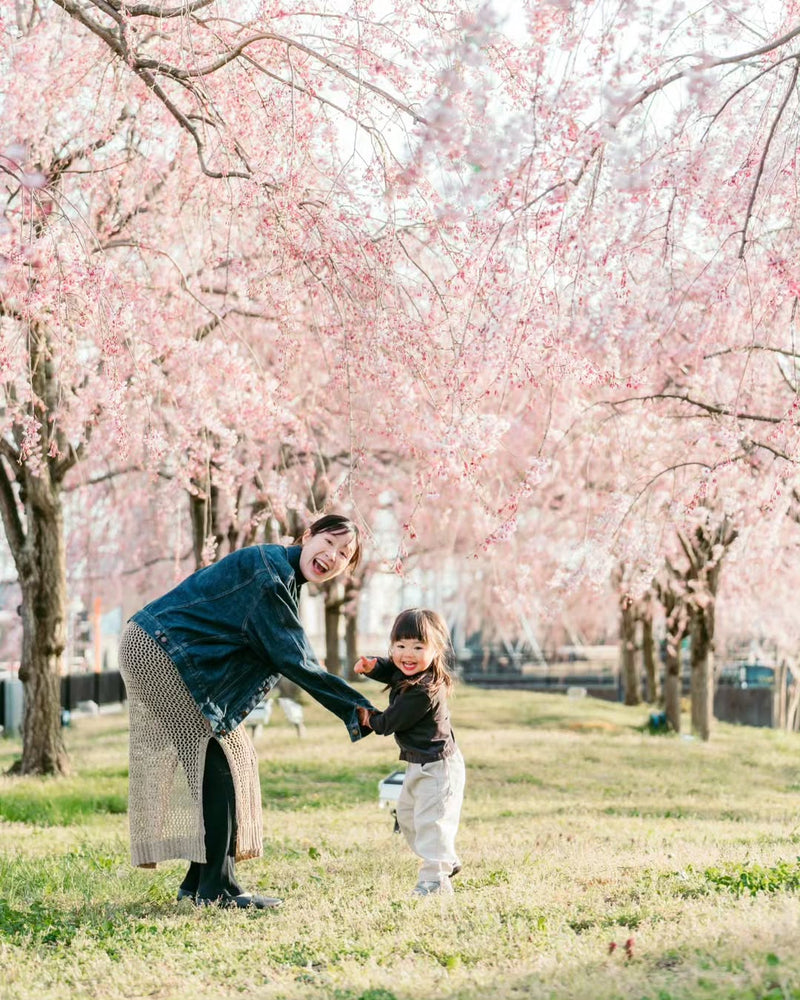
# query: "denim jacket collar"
293,558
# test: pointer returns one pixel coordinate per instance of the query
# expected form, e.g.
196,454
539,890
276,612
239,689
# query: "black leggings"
217,876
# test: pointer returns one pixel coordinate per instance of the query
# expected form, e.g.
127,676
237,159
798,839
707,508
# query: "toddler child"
429,806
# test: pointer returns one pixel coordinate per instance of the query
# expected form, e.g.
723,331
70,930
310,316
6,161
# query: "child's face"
412,656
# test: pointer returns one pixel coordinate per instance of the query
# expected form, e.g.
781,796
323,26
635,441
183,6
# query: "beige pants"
428,812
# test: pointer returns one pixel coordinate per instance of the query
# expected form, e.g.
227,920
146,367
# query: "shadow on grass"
114,929
284,786
314,785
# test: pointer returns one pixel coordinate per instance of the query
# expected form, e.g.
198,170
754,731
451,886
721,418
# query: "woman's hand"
363,717
365,665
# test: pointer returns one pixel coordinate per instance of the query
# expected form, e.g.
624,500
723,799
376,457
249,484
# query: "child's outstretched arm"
365,665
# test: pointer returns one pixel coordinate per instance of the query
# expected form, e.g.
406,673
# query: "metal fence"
106,688
747,706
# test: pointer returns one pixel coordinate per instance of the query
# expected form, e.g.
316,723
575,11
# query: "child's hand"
365,665
363,717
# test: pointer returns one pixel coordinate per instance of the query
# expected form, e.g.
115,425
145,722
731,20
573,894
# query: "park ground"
600,862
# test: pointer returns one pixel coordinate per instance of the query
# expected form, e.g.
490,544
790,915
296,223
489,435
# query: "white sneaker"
432,888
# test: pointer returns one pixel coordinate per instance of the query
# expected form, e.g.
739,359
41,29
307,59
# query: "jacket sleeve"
274,628
406,710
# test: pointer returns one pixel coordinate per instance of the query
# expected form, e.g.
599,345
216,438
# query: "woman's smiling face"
326,555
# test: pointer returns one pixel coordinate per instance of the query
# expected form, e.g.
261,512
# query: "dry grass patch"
593,725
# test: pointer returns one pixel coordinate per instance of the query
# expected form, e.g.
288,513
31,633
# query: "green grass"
314,784
54,802
600,862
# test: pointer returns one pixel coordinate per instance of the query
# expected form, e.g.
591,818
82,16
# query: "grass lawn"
599,862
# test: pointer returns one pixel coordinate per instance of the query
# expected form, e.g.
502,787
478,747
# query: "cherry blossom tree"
85,237
551,257
64,316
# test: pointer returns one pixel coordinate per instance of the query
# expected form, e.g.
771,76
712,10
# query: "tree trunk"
649,659
793,704
352,589
780,704
33,521
705,550
333,614
42,577
676,630
204,516
672,686
351,642
630,673
702,682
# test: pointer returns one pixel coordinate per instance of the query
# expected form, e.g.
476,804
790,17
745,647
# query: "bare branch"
154,562
186,124
763,446
15,533
103,478
151,71
752,347
704,63
776,43
721,411
119,47
80,15
73,456
337,68
739,90
202,332
151,10
765,153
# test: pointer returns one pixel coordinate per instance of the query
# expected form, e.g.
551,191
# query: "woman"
195,662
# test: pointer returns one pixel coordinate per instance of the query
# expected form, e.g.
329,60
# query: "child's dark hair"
429,627
338,524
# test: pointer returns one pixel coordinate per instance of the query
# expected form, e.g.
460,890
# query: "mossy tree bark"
32,472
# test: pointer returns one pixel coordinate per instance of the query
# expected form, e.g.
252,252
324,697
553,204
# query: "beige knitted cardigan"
168,740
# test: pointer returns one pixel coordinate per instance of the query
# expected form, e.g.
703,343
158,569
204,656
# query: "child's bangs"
411,626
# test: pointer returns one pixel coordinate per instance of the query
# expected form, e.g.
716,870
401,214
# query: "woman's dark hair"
338,524
422,625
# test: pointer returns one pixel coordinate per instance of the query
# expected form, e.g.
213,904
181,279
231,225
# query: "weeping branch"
156,73
711,408
765,153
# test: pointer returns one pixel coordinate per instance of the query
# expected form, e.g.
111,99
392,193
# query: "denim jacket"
233,627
